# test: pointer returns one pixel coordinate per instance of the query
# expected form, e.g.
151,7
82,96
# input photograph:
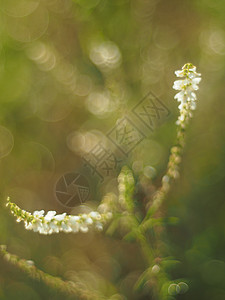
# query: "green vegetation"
72,73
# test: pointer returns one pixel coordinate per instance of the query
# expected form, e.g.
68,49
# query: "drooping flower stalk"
187,98
70,288
51,223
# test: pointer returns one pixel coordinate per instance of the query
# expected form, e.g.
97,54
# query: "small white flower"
28,226
60,217
193,105
50,215
75,227
95,215
38,213
36,225
53,226
65,227
84,228
99,226
191,69
179,73
89,221
179,96
180,84
74,219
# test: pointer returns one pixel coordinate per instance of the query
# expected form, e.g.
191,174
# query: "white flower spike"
187,86
52,223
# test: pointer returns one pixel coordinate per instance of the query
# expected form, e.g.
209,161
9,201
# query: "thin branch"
67,287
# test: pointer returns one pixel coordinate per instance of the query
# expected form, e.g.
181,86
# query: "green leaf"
144,277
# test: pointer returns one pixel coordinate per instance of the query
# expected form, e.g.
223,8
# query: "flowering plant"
52,223
120,212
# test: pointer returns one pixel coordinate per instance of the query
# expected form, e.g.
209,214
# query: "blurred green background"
68,71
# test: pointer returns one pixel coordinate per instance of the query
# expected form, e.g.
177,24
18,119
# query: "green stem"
67,287
172,170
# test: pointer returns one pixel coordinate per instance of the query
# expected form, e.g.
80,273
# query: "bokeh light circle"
28,28
19,8
6,141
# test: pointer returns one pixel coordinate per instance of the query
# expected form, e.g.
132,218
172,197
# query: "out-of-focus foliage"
68,71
